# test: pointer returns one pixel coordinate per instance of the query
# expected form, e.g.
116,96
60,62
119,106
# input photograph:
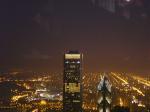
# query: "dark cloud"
36,55
35,34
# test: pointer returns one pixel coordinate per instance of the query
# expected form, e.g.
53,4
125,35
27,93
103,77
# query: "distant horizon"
61,72
35,36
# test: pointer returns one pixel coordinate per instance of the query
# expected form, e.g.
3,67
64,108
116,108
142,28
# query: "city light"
43,102
16,98
42,44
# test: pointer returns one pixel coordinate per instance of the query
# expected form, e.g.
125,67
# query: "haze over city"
34,35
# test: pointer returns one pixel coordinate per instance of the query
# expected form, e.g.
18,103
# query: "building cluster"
72,86
77,92
73,91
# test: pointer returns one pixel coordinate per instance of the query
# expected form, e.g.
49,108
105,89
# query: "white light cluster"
108,85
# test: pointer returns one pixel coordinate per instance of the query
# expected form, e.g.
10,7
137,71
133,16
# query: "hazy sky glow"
34,35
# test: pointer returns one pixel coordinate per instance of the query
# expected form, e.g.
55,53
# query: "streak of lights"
115,79
140,92
35,110
26,86
142,81
134,88
120,102
119,78
141,105
16,98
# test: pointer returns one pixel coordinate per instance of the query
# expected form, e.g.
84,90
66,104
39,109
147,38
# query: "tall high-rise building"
72,87
104,100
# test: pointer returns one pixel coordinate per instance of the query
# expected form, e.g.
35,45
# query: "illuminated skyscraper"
72,88
104,100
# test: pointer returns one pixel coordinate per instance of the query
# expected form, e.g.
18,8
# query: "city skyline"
74,55
74,90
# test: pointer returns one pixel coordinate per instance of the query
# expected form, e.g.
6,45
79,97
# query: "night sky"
34,34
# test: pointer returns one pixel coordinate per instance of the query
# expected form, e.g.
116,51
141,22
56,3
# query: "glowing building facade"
72,88
104,100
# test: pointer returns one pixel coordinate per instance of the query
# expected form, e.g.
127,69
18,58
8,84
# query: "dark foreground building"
72,88
104,100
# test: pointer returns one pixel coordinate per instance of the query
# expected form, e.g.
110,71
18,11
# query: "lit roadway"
132,88
125,82
127,89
